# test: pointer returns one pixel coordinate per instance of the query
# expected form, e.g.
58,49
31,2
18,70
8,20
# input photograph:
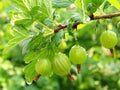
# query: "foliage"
27,34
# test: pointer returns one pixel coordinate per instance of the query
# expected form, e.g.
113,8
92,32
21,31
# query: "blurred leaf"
20,4
61,3
78,4
115,3
80,26
92,5
1,5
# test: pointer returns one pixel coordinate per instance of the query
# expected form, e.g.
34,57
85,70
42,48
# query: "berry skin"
43,67
61,64
77,54
108,39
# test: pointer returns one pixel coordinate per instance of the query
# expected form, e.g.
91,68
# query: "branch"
107,16
92,17
65,26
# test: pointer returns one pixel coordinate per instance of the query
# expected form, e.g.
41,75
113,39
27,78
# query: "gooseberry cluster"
61,63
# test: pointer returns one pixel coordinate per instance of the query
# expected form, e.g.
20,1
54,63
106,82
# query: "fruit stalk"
112,52
36,77
78,68
70,77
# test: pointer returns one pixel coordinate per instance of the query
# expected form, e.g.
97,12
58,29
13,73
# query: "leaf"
78,4
35,55
115,3
37,42
21,18
42,11
19,35
80,26
56,39
30,56
92,5
61,3
30,72
20,5
24,45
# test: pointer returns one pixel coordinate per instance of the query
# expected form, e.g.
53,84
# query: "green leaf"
61,3
115,3
20,34
21,18
35,55
78,4
56,39
20,5
30,56
24,45
37,42
42,11
92,5
30,72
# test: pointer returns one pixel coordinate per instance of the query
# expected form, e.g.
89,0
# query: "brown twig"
107,16
60,27
65,26
92,17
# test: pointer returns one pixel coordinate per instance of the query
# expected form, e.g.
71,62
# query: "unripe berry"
108,39
43,67
77,54
61,64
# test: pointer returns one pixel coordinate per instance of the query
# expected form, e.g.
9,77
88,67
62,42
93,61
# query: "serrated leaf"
37,42
42,11
30,56
115,3
30,72
56,39
61,3
35,55
18,37
21,18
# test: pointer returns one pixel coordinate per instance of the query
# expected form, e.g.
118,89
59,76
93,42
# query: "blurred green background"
100,72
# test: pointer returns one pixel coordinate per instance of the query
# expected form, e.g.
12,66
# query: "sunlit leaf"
20,34
115,3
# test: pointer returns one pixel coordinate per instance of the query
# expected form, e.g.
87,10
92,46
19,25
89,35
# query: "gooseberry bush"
55,34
